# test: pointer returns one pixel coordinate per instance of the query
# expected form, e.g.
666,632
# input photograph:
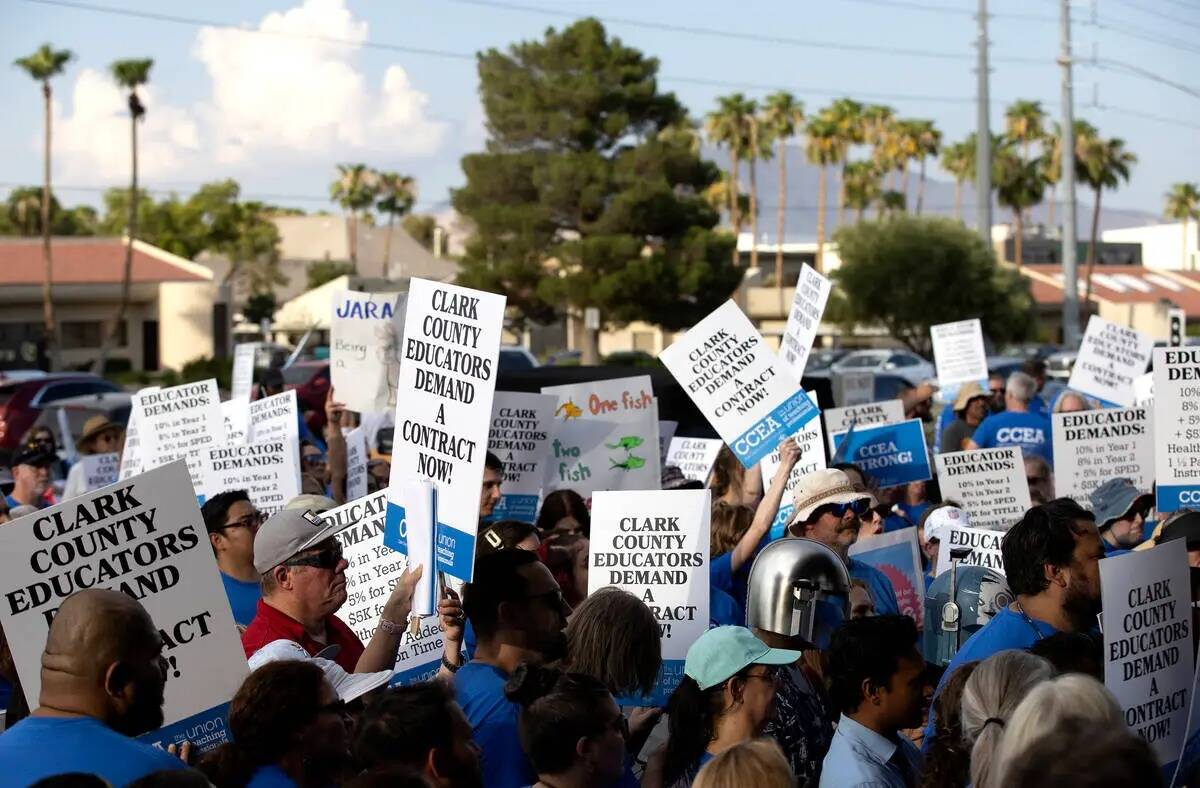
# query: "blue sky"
277,112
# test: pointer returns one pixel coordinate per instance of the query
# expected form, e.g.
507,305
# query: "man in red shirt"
304,584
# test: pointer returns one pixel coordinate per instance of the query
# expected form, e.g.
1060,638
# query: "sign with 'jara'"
364,349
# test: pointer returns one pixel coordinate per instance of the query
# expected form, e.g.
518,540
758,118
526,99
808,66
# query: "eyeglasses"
336,707
554,598
313,459
328,558
620,725
251,521
770,674
1034,480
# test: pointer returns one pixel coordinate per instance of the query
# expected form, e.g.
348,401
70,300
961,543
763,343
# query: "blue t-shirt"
722,576
40,747
1030,431
243,598
480,691
13,503
1111,550
879,586
723,610
270,777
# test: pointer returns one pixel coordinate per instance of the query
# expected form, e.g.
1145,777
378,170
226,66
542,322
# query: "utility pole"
983,134
1070,313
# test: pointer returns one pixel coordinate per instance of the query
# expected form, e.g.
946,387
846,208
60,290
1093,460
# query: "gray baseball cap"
1113,500
287,533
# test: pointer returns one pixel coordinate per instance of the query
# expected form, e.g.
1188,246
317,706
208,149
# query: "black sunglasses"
328,558
859,507
554,598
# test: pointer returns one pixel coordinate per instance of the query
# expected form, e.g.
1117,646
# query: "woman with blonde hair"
758,762
989,699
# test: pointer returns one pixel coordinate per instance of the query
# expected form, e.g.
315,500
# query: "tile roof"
98,261
1119,284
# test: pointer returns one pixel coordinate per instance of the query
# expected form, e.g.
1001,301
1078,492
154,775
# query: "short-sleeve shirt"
1030,431
955,434
271,624
40,747
243,598
479,689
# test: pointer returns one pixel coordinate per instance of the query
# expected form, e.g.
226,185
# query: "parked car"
514,357
565,358
821,359
1059,365
630,358
22,401
113,405
902,363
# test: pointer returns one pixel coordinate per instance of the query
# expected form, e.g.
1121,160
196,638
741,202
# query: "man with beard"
519,615
1052,564
102,683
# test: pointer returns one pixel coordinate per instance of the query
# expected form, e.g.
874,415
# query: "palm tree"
1025,122
756,148
862,186
905,140
959,160
397,193
889,203
928,143
877,122
726,127
825,147
354,190
847,115
783,117
1183,203
1102,164
1019,185
1051,165
129,74
42,65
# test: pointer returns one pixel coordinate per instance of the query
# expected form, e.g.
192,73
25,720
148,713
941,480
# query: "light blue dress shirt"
861,758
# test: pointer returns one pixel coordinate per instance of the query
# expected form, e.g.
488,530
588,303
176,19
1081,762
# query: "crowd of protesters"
539,681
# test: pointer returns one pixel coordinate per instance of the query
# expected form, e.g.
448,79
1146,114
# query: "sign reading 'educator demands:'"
737,383
1093,446
990,484
1177,428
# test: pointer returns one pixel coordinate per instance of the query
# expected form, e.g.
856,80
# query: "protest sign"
853,387
587,455
990,484
364,349
1148,658
1177,428
892,454
235,413
655,545
275,418
443,409
1143,389
812,458
958,352
838,420
520,437
1110,357
738,384
181,422
99,470
1093,446
615,399
666,431
373,572
808,304
356,463
983,543
132,452
897,555
694,456
243,370
268,471
145,537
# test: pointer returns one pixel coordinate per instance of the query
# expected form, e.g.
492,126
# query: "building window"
87,334
644,340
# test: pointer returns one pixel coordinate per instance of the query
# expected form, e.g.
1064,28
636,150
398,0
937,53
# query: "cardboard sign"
1093,446
655,545
132,452
853,387
738,384
897,555
838,420
373,572
983,543
666,431
520,437
587,455
892,454
100,470
808,304
181,422
812,458
958,352
364,349
268,471
1148,658
243,370
990,484
694,456
616,399
443,409
144,537
275,418
1110,358
1177,428
356,463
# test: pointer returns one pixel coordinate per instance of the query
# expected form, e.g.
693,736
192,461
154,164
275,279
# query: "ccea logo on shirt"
1007,435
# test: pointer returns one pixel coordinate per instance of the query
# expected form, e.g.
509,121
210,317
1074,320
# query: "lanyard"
1028,620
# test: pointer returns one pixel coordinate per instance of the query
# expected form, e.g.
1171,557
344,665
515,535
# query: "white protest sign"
99,470
1148,659
897,555
144,537
808,304
1143,389
990,484
738,384
837,420
694,456
1093,446
958,352
132,451
356,463
236,415
615,399
853,387
1177,428
812,458
1110,358
267,470
983,543
364,349
655,545
520,437
275,418
666,431
243,370
587,455
181,422
444,407
373,572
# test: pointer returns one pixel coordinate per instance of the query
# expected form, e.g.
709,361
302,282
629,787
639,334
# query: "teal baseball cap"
722,652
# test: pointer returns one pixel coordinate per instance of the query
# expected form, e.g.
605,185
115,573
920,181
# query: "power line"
1122,67
1142,34
951,11
1167,17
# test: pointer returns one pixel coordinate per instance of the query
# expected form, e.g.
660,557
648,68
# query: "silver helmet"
798,588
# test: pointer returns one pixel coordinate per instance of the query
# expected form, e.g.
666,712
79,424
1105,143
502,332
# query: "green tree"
355,191
825,147
727,127
423,229
847,115
1102,164
323,271
129,74
928,142
41,66
959,280
1025,123
397,193
783,118
580,199
959,160
1019,185
259,307
1183,203
862,186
